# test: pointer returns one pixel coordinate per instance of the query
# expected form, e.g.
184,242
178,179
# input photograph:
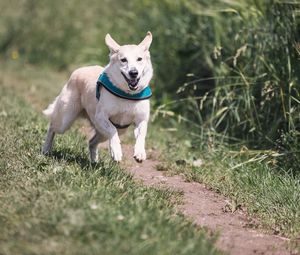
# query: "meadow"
226,91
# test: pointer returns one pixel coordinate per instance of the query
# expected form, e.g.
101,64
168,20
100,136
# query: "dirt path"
206,208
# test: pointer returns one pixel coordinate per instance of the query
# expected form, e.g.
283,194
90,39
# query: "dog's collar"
104,81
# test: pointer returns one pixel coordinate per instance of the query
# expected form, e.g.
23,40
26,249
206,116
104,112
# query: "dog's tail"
50,109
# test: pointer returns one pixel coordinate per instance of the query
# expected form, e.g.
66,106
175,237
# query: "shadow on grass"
106,168
72,157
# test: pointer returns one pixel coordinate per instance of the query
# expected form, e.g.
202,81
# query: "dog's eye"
139,59
124,60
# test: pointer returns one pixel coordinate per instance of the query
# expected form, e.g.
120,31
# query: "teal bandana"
104,81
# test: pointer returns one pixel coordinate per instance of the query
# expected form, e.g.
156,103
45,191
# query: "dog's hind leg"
62,113
93,146
49,141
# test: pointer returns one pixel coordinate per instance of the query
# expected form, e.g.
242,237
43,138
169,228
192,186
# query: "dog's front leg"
140,132
106,128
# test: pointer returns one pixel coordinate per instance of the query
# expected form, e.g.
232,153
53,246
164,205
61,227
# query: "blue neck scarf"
104,81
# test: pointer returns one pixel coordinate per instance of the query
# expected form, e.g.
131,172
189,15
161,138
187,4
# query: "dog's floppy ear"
112,44
145,44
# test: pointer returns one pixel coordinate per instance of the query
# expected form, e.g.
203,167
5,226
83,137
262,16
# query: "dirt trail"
206,208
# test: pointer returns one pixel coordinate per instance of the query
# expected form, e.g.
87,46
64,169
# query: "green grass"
63,205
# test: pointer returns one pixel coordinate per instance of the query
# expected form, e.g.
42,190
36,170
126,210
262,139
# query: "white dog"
119,97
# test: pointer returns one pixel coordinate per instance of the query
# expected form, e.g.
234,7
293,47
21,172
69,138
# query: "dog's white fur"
79,96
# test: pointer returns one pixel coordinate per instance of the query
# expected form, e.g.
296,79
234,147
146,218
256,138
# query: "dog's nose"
133,73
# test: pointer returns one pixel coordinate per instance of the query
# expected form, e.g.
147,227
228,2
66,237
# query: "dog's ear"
145,44
112,44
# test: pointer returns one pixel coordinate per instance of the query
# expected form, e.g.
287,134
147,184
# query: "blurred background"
227,71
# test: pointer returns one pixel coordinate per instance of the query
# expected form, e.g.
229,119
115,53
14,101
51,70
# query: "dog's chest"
124,112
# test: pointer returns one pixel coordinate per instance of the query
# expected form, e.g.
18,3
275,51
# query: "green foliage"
289,147
240,69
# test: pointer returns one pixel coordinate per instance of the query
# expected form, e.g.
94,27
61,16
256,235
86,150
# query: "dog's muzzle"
133,80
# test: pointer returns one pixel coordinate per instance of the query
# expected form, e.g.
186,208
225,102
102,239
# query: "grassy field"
64,205
226,93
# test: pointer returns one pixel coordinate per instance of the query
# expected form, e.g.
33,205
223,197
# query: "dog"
111,98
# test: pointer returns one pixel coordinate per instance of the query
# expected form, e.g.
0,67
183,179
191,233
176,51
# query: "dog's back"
77,94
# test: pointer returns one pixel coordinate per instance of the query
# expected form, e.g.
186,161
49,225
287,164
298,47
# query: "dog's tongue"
134,82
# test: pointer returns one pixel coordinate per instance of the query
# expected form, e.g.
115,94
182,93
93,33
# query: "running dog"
111,98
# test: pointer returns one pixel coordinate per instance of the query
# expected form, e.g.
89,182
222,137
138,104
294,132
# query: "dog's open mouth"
132,83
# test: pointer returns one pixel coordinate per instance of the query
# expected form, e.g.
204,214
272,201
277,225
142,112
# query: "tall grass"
248,90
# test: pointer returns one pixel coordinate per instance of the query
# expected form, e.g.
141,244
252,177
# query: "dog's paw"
116,155
46,151
116,152
139,154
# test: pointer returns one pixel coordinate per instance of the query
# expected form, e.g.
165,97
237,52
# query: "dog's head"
130,66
